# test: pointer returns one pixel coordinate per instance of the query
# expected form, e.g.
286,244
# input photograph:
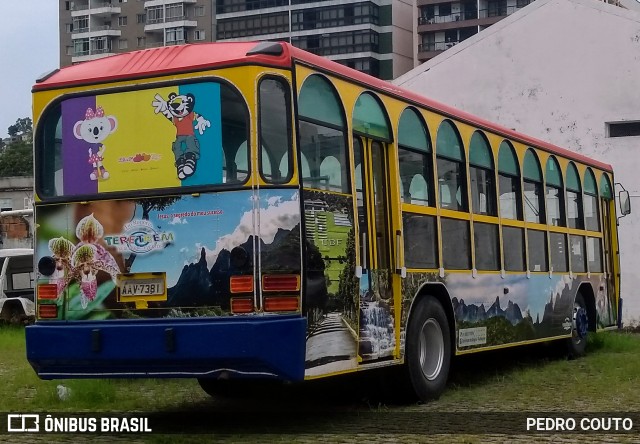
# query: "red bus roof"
168,60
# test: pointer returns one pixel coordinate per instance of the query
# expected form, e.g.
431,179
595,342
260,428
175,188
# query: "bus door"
376,329
610,253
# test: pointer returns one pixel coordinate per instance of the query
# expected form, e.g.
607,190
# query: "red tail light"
241,305
281,282
281,303
47,291
241,284
47,311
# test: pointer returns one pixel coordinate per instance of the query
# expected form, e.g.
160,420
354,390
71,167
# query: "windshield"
171,136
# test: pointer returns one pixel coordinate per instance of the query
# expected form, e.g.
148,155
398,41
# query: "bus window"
555,199
574,198
420,241
537,241
591,210
275,130
456,253
558,250
578,257
322,137
487,246
513,241
450,164
414,153
483,197
594,254
170,136
533,189
509,183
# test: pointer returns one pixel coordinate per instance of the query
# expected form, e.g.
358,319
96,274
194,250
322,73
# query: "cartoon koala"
179,110
94,129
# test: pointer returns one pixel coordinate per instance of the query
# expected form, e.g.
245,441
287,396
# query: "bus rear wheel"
577,344
428,349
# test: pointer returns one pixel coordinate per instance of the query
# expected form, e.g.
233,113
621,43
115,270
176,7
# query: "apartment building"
443,24
90,29
373,36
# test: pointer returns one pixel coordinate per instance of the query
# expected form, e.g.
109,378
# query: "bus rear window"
171,136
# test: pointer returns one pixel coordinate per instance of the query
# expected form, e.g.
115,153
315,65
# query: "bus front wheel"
428,349
577,344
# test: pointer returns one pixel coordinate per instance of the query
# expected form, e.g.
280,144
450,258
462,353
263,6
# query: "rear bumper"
258,347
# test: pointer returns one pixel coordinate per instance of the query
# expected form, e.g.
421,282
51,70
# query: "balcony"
104,9
429,50
152,3
96,31
156,25
459,19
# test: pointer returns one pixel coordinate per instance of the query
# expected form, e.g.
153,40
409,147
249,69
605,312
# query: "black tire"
428,349
577,343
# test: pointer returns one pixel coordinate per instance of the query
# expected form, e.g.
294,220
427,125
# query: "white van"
16,285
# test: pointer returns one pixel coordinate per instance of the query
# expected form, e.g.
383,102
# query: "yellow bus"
238,211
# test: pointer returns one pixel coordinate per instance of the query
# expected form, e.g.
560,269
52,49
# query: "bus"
247,211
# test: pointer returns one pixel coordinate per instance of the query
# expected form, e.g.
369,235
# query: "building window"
174,11
199,11
122,21
123,44
155,15
623,129
140,42
198,34
174,36
68,28
69,50
141,18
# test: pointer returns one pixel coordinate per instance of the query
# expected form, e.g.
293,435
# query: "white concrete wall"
556,70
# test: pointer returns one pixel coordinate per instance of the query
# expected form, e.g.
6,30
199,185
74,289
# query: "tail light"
281,282
47,291
47,311
241,284
241,305
281,303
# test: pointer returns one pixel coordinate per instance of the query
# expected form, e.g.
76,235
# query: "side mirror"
625,202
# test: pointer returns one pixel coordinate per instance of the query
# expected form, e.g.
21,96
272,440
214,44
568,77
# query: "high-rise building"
376,37
443,23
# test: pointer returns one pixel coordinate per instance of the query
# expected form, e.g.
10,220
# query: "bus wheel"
428,349
577,344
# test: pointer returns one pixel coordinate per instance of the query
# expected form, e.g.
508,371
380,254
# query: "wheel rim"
431,349
580,323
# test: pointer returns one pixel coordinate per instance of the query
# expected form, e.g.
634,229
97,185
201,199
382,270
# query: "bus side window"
414,153
451,168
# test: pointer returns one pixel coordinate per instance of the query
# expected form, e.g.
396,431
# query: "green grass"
534,378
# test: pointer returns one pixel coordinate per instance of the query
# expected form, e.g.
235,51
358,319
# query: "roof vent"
266,48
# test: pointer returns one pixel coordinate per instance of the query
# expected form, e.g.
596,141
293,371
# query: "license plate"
141,287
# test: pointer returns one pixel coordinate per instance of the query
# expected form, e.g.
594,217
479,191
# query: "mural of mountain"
474,313
192,287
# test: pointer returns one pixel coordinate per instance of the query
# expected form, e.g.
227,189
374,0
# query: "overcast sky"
29,46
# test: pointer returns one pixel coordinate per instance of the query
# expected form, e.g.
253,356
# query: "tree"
22,127
16,160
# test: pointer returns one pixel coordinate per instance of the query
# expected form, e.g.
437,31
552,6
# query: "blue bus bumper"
264,347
